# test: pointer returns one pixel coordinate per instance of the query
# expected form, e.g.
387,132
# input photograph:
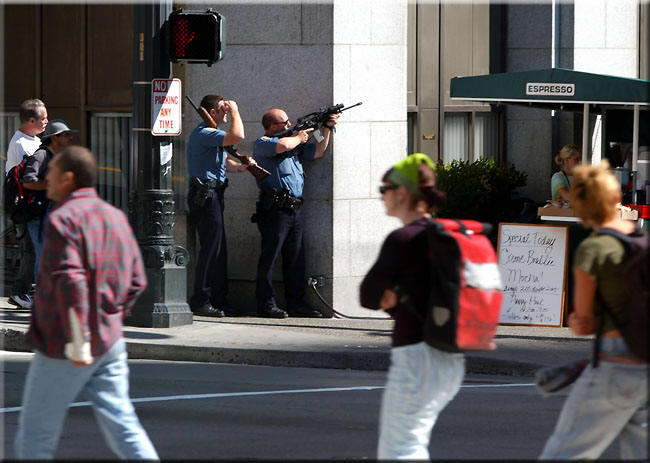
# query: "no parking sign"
165,107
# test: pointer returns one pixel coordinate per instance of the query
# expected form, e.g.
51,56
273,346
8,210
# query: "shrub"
480,190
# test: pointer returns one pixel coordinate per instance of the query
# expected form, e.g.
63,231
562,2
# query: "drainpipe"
585,132
555,61
555,33
635,152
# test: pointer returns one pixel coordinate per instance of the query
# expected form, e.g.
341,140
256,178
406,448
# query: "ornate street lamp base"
163,304
164,315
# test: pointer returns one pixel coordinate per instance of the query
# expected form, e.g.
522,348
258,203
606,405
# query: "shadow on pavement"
141,335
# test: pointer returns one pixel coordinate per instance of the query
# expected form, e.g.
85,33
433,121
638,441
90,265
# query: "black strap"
461,227
599,333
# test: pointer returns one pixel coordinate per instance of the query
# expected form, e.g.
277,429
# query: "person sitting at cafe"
568,157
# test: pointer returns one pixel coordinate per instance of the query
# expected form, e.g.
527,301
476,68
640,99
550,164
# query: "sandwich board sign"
166,107
533,265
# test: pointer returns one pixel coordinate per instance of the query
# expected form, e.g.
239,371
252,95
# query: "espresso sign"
532,261
550,89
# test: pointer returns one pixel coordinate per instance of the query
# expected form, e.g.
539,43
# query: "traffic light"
196,36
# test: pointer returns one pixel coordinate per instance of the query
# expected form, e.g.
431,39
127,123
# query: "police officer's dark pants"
210,279
281,231
23,282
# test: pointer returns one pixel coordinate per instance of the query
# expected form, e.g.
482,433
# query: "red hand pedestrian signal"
196,36
182,37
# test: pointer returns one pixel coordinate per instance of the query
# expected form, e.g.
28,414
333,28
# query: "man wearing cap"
57,135
33,119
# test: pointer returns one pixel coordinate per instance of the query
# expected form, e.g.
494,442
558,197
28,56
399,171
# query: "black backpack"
20,204
633,323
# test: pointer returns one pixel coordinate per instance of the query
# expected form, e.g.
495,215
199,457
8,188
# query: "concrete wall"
606,37
529,132
301,57
369,66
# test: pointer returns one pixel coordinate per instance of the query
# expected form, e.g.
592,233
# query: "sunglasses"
384,188
282,122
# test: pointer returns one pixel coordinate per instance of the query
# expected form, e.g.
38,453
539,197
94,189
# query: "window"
483,142
486,135
456,137
9,123
110,141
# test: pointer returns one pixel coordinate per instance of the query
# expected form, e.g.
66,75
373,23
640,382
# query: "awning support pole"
635,151
585,132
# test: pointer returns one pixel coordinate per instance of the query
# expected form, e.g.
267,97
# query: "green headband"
406,172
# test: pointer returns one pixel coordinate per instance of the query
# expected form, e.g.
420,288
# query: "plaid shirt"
91,262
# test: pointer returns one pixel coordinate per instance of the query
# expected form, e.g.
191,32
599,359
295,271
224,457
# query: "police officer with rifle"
207,164
281,152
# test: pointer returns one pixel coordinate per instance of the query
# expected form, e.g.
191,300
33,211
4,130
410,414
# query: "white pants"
421,381
606,402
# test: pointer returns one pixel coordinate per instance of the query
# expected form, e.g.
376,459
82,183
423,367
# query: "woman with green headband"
421,379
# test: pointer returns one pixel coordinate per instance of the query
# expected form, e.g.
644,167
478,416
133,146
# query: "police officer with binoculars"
207,164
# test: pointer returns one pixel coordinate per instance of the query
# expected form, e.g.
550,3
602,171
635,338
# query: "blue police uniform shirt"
205,156
285,168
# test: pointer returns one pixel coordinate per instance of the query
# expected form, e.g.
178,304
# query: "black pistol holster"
200,189
286,200
281,200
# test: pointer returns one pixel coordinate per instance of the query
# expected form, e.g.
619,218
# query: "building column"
369,65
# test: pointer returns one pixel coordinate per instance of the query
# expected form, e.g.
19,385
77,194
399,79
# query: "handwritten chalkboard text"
532,259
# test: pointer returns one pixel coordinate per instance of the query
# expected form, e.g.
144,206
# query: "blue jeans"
52,385
606,402
421,381
36,227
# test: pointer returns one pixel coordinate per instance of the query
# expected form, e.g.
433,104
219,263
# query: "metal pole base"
163,316
163,304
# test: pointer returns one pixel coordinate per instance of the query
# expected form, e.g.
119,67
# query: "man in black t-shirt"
57,135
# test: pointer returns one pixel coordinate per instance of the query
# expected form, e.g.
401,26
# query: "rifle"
314,121
259,172
256,171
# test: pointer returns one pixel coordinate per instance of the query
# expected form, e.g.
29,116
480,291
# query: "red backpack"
16,199
466,289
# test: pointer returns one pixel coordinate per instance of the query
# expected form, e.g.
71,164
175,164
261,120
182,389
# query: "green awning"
554,88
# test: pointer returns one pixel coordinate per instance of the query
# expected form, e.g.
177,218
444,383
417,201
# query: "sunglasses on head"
384,188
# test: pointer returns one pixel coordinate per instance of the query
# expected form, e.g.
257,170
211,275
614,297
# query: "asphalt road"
216,411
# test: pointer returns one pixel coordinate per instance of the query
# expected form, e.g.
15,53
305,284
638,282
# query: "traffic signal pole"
151,201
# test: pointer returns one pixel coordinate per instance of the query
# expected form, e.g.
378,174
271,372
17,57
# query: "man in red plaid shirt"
90,275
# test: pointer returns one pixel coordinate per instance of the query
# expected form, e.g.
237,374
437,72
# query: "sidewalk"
319,343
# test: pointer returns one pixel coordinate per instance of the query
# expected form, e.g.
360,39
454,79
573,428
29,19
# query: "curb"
362,359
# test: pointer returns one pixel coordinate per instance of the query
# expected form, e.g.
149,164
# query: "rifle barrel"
192,103
354,105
